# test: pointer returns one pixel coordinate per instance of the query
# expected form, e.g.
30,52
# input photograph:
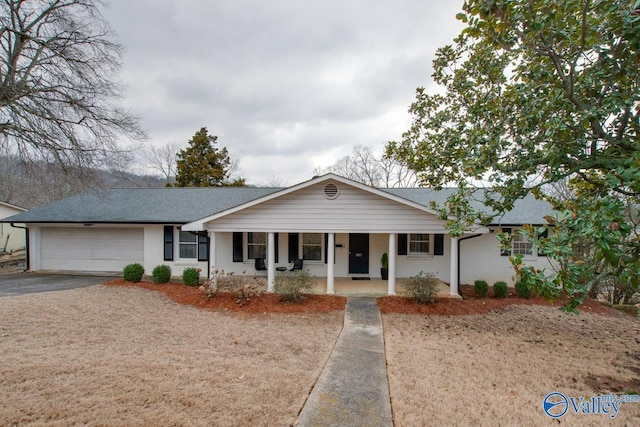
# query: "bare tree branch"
57,93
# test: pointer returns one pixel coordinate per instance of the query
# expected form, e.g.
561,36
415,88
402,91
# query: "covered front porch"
344,262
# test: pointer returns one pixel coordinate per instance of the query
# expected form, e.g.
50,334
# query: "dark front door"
358,254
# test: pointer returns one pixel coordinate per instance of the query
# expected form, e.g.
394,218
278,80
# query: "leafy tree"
203,165
57,62
534,92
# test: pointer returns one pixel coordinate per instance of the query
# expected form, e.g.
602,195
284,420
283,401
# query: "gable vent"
331,191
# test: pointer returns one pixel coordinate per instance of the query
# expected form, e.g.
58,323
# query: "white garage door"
91,249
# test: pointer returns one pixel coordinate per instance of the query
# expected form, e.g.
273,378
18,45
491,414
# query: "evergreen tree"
201,164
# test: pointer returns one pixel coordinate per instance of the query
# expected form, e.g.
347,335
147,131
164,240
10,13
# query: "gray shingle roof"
142,205
528,210
183,205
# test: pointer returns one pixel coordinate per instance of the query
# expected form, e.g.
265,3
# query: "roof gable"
299,189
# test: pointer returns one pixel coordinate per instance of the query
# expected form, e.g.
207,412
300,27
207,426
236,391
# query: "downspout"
26,244
460,240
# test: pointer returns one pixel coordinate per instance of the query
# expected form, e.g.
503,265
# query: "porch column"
331,242
213,262
453,271
392,264
271,261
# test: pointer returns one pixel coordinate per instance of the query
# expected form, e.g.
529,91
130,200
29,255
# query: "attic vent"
331,191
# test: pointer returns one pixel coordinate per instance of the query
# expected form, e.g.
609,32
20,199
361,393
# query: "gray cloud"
284,85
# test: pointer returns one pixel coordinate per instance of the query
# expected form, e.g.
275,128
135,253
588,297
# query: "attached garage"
90,249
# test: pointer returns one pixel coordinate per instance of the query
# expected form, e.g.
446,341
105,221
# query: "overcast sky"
285,85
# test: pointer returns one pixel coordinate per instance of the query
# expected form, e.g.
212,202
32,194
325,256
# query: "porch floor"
374,287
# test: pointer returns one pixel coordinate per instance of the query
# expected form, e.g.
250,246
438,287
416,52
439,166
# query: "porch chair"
260,265
297,265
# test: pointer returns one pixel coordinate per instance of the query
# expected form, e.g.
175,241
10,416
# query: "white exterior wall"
480,259
154,253
307,210
16,236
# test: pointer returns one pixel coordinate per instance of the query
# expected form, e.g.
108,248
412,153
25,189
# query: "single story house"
338,227
12,238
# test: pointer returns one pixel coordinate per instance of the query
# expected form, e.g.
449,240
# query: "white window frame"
429,242
184,243
301,246
519,245
249,244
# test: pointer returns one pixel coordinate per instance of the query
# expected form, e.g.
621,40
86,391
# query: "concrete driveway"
29,283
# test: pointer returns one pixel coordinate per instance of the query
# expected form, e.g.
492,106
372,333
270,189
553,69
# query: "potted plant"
384,266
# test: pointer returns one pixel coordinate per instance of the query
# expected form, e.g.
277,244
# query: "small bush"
191,276
500,289
423,288
210,287
238,286
133,272
481,288
161,274
293,286
523,290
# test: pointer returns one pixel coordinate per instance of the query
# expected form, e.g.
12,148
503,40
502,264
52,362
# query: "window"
256,245
312,246
188,245
418,243
522,245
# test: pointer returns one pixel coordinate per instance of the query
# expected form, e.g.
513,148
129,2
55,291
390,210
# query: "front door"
358,254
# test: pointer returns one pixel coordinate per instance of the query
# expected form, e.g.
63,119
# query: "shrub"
238,286
133,272
423,288
161,274
523,290
292,287
481,288
500,289
191,276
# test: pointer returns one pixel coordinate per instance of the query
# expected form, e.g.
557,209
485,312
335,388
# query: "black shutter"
543,235
506,230
326,247
293,246
275,241
203,246
438,244
168,243
402,244
238,253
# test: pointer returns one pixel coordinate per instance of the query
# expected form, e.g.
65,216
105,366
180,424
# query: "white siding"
480,259
90,249
13,237
154,253
307,210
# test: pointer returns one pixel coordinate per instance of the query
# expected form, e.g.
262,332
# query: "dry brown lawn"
495,369
115,356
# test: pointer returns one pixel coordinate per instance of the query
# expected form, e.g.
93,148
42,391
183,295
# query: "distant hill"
34,184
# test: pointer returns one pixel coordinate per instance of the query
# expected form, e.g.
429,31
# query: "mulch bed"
472,305
270,303
264,303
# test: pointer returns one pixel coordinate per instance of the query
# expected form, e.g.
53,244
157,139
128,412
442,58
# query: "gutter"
459,257
26,244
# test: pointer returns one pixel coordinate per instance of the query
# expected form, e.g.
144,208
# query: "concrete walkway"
352,389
